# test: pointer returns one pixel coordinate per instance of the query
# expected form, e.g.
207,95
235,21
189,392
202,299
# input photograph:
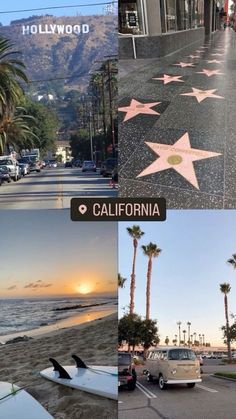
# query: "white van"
12,165
173,365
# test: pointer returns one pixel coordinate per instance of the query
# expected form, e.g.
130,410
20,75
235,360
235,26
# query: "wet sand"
95,342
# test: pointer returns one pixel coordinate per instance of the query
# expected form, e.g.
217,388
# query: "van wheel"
191,385
131,385
150,378
161,383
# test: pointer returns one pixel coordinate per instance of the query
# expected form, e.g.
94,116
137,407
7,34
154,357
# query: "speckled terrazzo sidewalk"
177,125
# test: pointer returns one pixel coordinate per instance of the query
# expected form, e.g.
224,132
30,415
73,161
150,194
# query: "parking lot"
53,188
214,398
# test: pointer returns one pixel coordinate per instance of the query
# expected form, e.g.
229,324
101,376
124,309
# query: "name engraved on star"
118,209
180,150
55,29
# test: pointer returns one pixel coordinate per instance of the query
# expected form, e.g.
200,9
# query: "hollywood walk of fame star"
179,156
214,61
135,108
183,65
210,73
198,51
194,56
216,55
200,95
169,79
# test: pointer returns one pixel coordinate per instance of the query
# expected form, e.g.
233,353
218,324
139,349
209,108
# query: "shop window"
171,15
131,17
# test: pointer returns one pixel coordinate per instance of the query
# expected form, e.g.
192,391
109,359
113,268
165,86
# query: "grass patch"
231,375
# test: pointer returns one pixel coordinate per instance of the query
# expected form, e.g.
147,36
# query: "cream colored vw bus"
175,365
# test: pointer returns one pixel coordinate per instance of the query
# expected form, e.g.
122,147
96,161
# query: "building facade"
153,28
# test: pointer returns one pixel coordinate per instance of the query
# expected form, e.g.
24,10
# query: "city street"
211,399
53,189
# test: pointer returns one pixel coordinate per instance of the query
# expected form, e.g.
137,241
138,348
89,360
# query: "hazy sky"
186,276
44,253
13,5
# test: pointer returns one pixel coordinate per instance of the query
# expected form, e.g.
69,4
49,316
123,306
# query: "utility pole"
91,136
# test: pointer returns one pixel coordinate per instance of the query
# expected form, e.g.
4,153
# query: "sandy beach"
95,342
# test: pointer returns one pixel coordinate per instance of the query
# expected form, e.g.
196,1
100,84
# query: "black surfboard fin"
79,362
57,367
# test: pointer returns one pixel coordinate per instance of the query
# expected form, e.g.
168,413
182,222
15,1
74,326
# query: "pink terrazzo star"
179,156
198,51
200,95
214,61
169,79
183,65
135,108
210,73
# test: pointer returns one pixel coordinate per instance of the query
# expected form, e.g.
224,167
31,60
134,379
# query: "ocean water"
18,315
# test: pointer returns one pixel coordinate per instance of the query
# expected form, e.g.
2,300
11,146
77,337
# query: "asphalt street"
214,398
53,189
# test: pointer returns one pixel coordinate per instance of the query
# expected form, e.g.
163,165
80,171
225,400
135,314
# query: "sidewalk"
177,129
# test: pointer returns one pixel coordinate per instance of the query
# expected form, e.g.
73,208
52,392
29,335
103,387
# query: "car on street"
13,167
89,166
23,168
68,164
34,166
127,376
173,365
5,174
24,161
108,166
53,163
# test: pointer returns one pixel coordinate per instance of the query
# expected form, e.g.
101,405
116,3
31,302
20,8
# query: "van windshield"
181,355
124,359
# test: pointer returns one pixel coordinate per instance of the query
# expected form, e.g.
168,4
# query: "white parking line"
145,391
206,388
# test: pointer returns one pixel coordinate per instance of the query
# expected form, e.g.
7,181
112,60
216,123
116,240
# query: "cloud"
13,287
39,280
34,285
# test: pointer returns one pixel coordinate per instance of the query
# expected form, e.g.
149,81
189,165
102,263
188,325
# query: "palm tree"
225,289
11,74
179,325
136,233
189,325
184,333
121,281
195,337
16,131
151,251
232,261
200,339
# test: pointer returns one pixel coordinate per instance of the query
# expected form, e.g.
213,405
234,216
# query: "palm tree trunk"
227,328
149,273
132,283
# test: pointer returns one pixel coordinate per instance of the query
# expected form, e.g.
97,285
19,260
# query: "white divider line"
145,391
206,388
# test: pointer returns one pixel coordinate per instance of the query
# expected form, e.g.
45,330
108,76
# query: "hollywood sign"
54,29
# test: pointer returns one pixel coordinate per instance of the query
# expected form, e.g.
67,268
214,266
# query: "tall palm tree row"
225,289
135,233
151,251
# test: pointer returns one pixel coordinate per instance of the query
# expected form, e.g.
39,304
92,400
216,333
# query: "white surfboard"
16,403
99,380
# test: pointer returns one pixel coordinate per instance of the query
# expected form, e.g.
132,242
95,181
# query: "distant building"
63,149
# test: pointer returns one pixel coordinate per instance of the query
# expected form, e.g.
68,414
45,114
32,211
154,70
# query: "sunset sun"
84,288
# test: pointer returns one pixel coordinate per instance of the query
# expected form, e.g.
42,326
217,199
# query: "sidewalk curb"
224,378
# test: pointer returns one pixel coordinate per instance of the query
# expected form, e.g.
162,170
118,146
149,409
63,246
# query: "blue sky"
186,276
43,253
11,5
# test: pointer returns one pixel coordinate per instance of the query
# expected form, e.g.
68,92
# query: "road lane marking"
206,388
145,391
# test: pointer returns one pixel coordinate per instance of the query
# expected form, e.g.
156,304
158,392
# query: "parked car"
108,167
77,163
199,357
25,161
126,371
89,166
5,174
68,164
52,163
173,365
12,165
23,169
